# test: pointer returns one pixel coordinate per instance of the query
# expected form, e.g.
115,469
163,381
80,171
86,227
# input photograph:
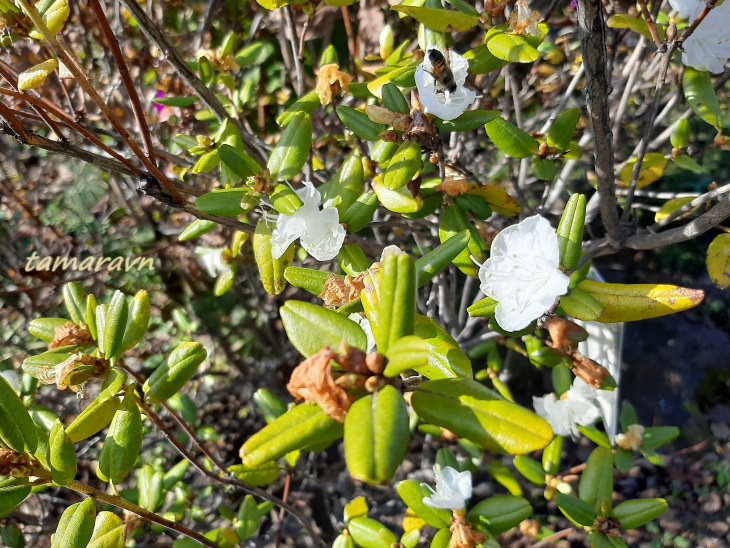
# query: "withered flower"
314,382
71,334
524,20
340,291
462,534
330,81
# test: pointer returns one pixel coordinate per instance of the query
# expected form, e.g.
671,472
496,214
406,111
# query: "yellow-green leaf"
718,261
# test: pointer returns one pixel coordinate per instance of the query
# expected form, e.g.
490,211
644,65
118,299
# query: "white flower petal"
434,98
579,406
452,491
522,273
688,9
708,48
212,260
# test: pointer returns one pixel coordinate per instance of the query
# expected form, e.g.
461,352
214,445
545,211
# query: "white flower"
319,231
708,48
213,261
364,324
688,9
453,489
12,379
522,273
435,98
577,407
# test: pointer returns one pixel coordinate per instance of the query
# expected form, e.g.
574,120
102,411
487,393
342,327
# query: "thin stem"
225,478
160,40
625,216
123,504
113,44
698,201
650,23
61,51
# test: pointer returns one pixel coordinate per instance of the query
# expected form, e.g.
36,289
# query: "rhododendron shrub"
413,213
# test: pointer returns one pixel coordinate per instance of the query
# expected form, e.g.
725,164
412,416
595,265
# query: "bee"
441,71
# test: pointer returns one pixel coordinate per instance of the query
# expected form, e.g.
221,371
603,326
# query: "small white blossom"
438,100
708,47
522,273
319,231
12,379
364,324
577,407
213,261
452,491
688,9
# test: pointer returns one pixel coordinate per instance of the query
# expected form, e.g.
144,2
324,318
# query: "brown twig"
125,505
160,40
652,26
59,47
225,478
113,44
698,201
68,121
595,59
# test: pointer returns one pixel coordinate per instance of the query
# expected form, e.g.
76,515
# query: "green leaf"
115,325
656,436
439,20
701,96
510,139
260,476
240,163
403,165
688,163
292,151
393,99
182,102
76,526
74,298
180,366
437,259
271,270
514,48
469,121
453,222
482,61
562,130
637,24
406,353
308,103
636,513
224,202
499,514
530,469
397,294
303,425
308,279
361,212
206,163
17,430
474,412
596,482
579,512
196,229
544,168
123,442
397,201
138,320
310,328
412,492
45,328
445,357
109,531
359,123
671,206
62,456
368,533
376,436
12,492
484,308
570,231
596,436
258,52
680,134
